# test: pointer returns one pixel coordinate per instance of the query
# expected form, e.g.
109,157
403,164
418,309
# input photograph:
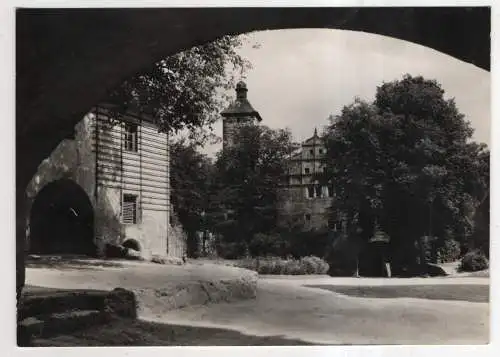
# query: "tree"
247,179
405,164
190,178
185,91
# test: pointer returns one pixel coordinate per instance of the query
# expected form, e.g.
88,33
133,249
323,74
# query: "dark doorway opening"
373,259
62,221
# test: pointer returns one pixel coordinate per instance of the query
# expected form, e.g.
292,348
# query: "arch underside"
67,59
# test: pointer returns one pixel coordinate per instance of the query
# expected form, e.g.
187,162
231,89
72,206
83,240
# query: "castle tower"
239,113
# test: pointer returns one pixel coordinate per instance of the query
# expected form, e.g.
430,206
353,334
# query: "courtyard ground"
287,308
291,310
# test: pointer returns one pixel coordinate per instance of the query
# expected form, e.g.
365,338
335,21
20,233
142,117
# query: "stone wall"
295,209
72,159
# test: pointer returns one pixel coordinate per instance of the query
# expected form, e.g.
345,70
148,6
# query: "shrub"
314,265
474,261
267,245
231,250
449,252
307,243
278,266
291,267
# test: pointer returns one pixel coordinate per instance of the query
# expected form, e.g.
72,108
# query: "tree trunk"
356,273
423,260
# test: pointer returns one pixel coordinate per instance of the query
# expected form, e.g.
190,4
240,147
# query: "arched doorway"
132,244
62,220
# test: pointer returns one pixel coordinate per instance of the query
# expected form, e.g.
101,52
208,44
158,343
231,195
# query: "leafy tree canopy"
186,91
407,163
247,179
191,174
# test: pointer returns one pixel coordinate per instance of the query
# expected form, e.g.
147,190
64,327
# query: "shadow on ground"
69,263
125,332
470,293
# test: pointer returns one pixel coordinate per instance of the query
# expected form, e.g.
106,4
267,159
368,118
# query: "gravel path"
128,274
284,307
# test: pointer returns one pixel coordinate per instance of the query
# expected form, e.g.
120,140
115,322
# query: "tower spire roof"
241,106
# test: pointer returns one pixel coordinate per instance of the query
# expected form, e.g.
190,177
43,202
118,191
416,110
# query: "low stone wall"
158,287
154,302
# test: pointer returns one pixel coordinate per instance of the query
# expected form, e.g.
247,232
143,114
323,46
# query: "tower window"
131,137
307,170
308,217
129,209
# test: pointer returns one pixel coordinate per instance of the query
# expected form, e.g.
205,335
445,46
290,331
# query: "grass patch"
471,293
126,332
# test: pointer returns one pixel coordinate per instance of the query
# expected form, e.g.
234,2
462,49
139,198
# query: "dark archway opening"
62,221
132,244
373,259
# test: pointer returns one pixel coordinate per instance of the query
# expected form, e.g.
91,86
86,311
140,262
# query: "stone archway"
66,60
132,244
62,220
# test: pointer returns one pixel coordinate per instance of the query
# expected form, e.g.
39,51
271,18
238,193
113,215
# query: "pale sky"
301,76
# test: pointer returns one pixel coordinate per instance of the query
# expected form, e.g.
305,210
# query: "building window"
310,191
318,191
330,191
320,151
312,152
308,217
307,170
129,209
131,137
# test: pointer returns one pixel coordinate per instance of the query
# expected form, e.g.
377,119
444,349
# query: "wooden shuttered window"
130,142
130,209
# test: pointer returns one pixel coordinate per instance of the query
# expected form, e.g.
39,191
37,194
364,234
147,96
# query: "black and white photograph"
252,176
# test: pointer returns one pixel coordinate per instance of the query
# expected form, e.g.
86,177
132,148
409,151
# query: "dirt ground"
285,307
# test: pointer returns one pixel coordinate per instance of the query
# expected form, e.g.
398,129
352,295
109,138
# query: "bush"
314,265
449,252
307,243
231,250
277,266
263,245
474,261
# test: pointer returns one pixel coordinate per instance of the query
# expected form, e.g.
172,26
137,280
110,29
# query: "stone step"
61,301
119,302
62,322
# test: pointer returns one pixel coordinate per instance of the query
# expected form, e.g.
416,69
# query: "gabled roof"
314,140
126,114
